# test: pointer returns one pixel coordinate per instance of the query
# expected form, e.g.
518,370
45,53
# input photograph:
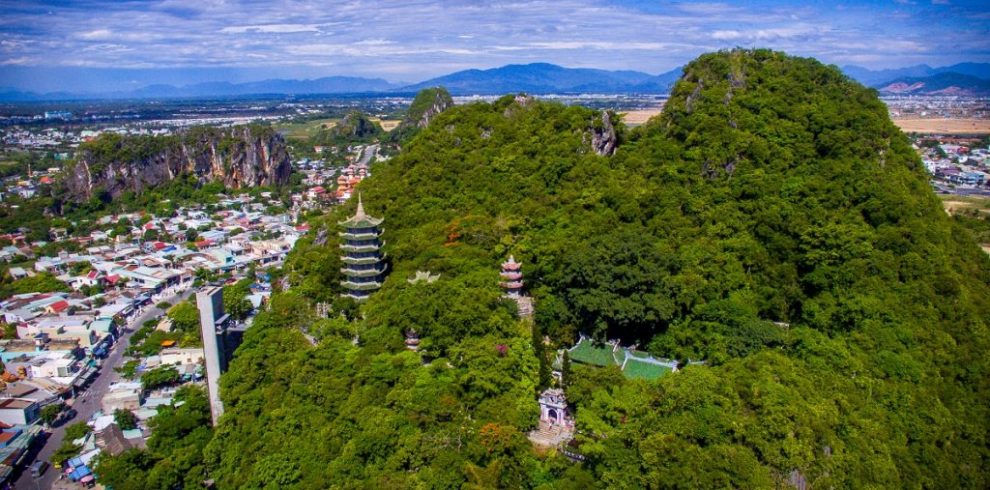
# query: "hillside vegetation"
772,223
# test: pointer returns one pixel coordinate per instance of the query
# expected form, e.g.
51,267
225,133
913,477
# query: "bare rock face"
238,157
440,102
603,137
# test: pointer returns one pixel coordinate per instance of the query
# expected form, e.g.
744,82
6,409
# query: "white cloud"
97,35
768,34
368,37
272,28
23,60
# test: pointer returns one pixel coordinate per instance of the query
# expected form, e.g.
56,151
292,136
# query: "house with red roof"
58,307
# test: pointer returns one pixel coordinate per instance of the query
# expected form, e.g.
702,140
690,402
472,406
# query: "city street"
88,402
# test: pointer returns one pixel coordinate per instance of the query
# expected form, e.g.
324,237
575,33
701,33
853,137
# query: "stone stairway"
550,435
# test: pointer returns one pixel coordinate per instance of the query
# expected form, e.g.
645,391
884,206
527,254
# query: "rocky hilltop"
427,105
239,157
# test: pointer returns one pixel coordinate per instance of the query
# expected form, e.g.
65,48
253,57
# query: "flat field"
305,130
944,126
637,117
953,203
386,124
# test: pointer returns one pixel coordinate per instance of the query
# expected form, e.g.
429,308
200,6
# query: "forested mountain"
355,126
426,106
772,222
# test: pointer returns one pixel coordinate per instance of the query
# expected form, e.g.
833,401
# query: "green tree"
125,419
49,413
184,316
160,376
75,431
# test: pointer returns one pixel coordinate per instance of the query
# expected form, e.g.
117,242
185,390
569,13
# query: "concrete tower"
211,322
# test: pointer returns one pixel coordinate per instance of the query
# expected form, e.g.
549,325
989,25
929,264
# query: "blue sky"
120,44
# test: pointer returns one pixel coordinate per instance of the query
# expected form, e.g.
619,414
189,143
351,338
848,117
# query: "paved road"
367,154
962,191
89,402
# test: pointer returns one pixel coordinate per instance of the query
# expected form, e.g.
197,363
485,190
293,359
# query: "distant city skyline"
105,45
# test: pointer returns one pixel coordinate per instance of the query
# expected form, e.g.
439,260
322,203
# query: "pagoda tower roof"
360,218
511,264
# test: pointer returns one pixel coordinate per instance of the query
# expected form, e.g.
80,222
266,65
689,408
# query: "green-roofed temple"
364,266
633,363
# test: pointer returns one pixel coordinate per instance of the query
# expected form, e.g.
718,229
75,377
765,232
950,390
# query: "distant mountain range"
543,78
940,84
875,78
326,85
534,78
969,79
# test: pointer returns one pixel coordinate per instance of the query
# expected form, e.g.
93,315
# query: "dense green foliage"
773,223
235,302
77,430
423,107
147,340
173,458
43,282
125,419
159,377
355,127
50,412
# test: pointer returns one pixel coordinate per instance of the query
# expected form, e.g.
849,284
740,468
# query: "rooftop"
361,219
634,364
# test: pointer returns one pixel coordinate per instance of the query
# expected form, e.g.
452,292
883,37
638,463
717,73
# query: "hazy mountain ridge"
939,84
324,85
549,78
536,78
875,78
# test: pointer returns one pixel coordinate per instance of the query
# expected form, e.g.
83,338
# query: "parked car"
38,468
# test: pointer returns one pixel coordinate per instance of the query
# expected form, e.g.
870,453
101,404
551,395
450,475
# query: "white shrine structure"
556,425
553,408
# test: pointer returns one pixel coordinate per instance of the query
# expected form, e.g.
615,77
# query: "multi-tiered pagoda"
512,277
512,284
364,265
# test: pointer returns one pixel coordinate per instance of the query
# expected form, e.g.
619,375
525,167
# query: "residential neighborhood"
957,164
63,350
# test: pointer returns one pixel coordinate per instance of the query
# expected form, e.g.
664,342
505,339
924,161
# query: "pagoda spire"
359,213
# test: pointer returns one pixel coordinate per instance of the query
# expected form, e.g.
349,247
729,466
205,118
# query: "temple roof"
423,276
511,264
360,219
634,364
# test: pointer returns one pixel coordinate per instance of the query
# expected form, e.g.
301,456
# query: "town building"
220,339
18,411
122,396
